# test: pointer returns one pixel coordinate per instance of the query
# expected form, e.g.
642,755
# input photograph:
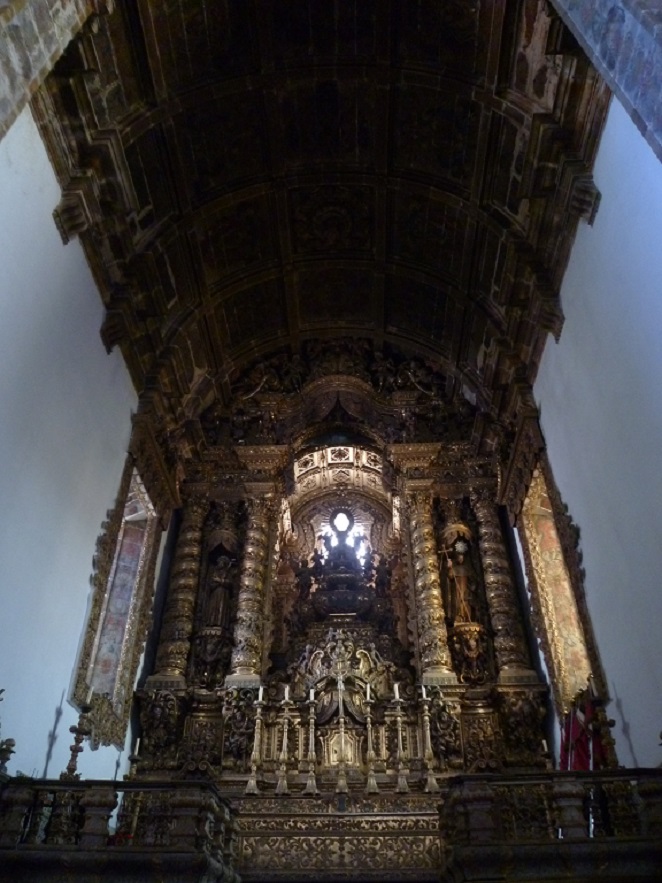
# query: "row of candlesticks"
342,786
368,692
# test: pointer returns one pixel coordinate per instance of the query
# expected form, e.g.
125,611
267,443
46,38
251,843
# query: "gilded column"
510,646
432,638
177,628
249,629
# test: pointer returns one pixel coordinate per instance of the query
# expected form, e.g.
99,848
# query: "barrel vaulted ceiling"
251,176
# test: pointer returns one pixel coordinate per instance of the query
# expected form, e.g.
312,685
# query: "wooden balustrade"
554,823
184,828
547,824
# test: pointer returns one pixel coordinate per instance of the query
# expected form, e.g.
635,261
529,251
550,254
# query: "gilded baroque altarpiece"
342,625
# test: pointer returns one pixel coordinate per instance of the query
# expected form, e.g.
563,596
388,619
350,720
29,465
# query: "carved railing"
545,826
186,827
554,822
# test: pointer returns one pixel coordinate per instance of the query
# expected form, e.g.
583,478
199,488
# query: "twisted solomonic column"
246,661
510,645
435,658
175,639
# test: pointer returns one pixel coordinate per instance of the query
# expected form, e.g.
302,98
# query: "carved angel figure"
365,662
220,588
315,665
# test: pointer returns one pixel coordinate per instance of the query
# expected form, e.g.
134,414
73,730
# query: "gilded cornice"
417,487
271,459
413,456
262,490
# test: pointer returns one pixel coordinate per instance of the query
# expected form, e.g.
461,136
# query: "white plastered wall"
65,421
600,395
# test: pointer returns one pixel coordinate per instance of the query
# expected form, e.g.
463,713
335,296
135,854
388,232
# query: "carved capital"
414,456
196,508
261,510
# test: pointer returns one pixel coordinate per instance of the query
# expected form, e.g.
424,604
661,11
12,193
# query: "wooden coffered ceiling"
249,175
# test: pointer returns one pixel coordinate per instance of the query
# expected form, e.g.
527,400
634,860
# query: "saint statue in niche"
460,598
221,577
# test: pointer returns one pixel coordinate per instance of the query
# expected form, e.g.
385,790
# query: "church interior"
330,441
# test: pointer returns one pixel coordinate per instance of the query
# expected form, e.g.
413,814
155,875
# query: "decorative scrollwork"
522,713
159,719
238,727
445,732
468,643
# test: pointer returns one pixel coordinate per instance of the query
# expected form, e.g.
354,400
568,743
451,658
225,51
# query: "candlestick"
287,692
396,690
402,785
371,783
431,786
424,695
260,693
367,692
281,782
311,783
256,755
341,787
251,784
427,743
80,731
